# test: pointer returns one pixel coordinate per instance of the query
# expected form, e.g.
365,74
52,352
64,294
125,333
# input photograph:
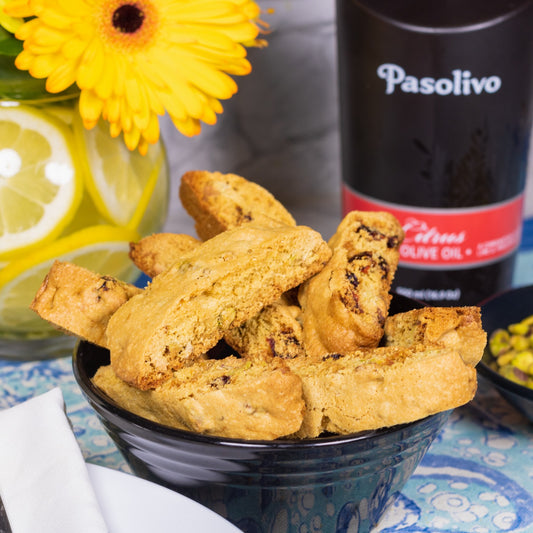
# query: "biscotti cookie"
219,202
80,302
345,305
188,308
380,387
155,253
232,398
458,328
276,331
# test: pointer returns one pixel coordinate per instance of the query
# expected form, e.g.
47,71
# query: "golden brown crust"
156,253
219,202
231,398
381,387
345,305
458,328
136,401
188,308
80,302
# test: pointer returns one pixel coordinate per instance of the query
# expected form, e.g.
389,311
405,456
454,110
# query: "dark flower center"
128,18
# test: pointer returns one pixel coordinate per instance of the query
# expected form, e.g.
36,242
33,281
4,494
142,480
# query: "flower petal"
114,129
91,65
111,109
151,131
73,48
189,126
62,77
18,8
27,29
43,66
55,19
90,106
132,137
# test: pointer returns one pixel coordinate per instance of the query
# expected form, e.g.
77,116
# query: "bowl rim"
96,396
483,368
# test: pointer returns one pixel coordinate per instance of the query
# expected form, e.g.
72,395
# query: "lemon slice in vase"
40,181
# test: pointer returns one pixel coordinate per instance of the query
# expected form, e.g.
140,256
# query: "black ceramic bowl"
498,312
329,484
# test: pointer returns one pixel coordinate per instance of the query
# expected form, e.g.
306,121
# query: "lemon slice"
40,184
102,249
120,181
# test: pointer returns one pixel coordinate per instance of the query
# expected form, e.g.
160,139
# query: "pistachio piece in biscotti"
80,302
219,202
380,387
346,304
188,308
234,398
459,328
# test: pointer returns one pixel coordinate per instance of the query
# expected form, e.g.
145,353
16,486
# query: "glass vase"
70,194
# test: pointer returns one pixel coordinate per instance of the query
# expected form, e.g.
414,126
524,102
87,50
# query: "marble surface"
281,128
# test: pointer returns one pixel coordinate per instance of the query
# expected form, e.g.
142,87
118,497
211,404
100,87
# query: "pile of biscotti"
313,349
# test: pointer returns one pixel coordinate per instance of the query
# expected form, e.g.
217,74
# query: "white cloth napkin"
44,481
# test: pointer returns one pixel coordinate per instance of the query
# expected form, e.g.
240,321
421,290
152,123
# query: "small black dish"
499,311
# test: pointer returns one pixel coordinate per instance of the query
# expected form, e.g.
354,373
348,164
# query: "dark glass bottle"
436,105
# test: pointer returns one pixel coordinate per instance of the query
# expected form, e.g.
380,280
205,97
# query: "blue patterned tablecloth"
477,477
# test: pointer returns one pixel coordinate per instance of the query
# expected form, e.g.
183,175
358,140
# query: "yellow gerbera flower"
134,60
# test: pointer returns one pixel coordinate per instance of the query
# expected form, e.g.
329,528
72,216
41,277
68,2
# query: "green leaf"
9,44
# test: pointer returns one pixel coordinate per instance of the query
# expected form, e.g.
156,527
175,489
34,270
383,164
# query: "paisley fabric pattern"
477,476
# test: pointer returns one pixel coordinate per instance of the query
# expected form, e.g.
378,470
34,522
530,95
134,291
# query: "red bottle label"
452,237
